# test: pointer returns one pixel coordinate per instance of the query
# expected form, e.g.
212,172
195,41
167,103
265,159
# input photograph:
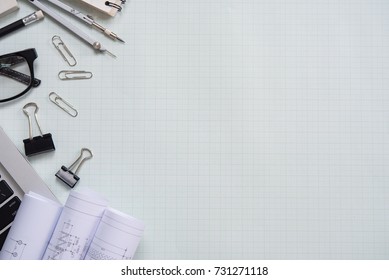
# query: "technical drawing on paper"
17,250
67,242
99,250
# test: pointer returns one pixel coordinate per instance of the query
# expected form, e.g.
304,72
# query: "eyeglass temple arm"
20,77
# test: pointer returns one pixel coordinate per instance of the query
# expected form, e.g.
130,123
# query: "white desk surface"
234,129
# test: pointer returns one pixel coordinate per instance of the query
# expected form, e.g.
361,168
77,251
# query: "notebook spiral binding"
113,5
109,7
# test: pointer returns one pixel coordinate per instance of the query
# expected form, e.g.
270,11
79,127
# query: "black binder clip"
66,175
38,144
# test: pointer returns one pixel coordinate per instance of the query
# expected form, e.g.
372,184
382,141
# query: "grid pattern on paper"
233,129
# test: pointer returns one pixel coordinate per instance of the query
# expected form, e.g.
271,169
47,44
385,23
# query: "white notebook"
8,6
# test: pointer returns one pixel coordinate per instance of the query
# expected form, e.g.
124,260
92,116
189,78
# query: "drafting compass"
75,30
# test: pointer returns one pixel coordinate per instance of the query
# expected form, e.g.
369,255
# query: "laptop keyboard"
5,191
3,236
8,210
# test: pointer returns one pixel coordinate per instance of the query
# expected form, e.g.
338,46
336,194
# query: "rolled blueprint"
76,226
117,237
32,228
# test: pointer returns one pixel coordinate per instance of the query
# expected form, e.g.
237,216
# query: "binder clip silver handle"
70,177
25,111
81,159
38,144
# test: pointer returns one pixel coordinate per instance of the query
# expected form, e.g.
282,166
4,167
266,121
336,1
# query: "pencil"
34,17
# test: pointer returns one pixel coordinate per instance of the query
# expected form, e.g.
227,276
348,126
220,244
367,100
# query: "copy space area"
234,129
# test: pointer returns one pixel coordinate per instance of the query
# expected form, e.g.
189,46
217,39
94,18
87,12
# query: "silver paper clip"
67,175
63,104
74,75
63,50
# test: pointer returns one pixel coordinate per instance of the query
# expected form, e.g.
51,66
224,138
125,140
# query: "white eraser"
8,6
39,15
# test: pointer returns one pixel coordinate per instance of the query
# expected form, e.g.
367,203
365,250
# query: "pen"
34,17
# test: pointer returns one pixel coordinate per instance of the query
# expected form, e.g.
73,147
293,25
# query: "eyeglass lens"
15,76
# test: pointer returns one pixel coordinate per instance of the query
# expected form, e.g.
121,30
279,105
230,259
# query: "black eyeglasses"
17,74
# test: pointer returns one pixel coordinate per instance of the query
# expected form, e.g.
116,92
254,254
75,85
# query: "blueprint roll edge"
117,237
76,226
32,228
